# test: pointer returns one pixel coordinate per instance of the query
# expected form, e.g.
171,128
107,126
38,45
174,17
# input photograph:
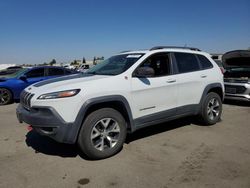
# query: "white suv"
124,93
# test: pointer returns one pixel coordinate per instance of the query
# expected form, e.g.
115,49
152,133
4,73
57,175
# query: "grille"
235,89
25,99
235,80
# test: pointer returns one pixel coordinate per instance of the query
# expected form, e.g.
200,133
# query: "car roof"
184,50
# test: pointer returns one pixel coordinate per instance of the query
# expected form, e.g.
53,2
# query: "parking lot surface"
173,154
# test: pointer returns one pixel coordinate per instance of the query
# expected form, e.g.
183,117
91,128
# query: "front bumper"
46,121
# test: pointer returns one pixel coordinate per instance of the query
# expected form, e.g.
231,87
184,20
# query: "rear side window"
55,71
205,63
186,62
39,72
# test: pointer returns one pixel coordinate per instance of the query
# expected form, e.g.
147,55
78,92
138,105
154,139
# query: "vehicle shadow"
46,145
160,128
237,103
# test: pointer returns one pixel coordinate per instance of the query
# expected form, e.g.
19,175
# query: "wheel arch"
116,102
216,88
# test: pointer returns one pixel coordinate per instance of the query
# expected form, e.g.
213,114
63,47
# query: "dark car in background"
10,70
237,74
12,85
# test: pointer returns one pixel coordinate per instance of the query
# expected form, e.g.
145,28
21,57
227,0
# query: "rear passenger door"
189,80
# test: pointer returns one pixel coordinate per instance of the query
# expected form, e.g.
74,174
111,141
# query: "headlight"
59,94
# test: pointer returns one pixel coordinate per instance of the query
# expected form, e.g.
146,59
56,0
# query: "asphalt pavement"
174,154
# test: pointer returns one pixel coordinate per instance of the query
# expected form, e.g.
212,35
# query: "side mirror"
23,78
143,72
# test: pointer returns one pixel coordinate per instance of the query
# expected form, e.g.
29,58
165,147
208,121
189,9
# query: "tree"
74,62
94,61
53,62
83,60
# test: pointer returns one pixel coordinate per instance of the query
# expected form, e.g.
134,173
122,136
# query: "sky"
37,31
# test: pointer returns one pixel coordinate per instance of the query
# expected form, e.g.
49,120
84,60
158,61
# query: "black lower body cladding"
46,121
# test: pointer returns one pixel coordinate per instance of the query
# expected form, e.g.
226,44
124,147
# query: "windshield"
16,74
115,65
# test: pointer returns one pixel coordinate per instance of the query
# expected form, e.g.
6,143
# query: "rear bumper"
46,121
238,98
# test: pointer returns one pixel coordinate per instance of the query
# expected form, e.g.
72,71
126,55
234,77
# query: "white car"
126,92
83,68
237,75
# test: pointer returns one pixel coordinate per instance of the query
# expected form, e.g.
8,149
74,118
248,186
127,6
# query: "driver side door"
32,76
155,97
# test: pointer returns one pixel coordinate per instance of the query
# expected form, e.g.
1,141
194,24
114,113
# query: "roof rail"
125,51
178,47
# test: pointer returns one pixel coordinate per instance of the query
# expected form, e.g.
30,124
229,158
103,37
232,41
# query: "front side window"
115,65
39,72
186,62
160,63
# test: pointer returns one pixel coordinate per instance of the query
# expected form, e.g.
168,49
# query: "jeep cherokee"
124,93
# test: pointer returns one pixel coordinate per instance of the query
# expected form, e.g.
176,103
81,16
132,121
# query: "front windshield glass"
115,65
16,74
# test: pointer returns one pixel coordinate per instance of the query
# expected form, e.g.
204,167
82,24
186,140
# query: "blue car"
12,85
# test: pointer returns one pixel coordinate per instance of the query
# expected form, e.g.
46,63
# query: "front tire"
5,96
102,134
211,109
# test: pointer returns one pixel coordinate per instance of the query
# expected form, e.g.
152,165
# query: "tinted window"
205,63
159,62
67,71
35,73
186,62
55,71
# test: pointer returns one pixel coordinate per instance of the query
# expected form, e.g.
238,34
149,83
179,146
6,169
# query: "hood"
237,58
68,80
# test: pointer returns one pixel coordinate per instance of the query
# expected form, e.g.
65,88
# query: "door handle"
203,76
171,80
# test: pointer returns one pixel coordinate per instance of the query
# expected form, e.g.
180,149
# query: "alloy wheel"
213,108
4,96
105,134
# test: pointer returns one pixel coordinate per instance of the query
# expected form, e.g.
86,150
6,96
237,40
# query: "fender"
90,102
207,88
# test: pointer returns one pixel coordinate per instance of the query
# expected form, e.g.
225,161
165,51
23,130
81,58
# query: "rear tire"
102,133
5,96
211,109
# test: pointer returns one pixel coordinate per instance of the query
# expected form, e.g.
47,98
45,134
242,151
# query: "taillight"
222,70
